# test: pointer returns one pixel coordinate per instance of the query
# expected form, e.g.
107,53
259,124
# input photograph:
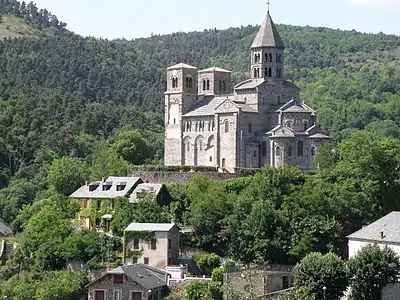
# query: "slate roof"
181,66
281,131
148,188
319,136
163,227
295,106
389,224
268,35
215,69
207,106
4,229
146,276
98,193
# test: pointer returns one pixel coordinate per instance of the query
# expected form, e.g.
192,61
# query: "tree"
316,271
68,174
132,147
371,269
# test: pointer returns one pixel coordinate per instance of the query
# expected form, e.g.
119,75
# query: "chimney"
381,234
108,268
102,179
86,183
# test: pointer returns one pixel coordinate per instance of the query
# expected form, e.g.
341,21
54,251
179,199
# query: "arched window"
264,149
196,126
313,151
209,126
226,126
201,145
270,72
204,84
187,126
223,86
255,72
290,151
278,58
190,82
174,121
220,86
266,57
270,57
213,125
249,127
305,126
208,85
266,72
300,148
278,151
188,146
210,158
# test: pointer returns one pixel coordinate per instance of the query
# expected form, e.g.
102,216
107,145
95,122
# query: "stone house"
134,282
258,122
100,196
151,244
155,191
383,232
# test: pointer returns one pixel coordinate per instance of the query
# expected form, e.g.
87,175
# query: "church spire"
268,35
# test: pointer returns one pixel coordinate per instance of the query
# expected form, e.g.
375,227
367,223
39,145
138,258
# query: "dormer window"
93,187
107,186
121,186
118,279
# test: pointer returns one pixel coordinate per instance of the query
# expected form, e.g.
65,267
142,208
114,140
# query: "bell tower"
267,52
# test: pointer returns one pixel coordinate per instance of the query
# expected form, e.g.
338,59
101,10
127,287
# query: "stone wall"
180,177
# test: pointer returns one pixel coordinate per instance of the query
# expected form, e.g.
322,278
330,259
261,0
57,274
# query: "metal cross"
268,3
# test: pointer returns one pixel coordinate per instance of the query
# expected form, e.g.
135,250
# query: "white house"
383,232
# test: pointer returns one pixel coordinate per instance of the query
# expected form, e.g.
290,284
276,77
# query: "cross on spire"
268,4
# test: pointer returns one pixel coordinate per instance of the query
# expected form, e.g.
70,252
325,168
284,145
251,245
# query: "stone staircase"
5,250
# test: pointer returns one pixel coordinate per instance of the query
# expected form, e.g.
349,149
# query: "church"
258,122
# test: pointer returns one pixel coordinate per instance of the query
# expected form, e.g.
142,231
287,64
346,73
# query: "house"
155,191
151,244
383,232
4,229
134,282
100,197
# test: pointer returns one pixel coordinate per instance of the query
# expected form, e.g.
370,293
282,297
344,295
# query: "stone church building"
258,122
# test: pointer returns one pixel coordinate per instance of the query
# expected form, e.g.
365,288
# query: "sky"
134,19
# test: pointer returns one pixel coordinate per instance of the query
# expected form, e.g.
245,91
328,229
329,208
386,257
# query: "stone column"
272,154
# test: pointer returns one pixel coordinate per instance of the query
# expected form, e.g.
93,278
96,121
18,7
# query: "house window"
210,158
117,295
121,187
136,244
118,279
208,85
270,57
264,149
249,127
290,151
134,260
136,295
313,152
107,186
204,84
188,146
270,72
300,148
305,126
153,244
220,86
266,72
169,244
226,126
285,282
146,260
99,295
278,58
223,163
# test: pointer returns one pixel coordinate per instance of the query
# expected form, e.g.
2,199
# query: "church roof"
268,35
281,131
215,69
181,66
319,136
296,107
249,84
206,107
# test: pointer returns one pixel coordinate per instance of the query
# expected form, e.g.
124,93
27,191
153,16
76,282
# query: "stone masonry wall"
180,177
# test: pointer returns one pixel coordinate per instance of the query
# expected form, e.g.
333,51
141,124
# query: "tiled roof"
295,106
214,69
148,188
207,106
249,84
181,66
98,192
389,225
268,35
150,227
281,131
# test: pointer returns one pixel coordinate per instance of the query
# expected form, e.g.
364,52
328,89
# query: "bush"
206,262
162,168
197,290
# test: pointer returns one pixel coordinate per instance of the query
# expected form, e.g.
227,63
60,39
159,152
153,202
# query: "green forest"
75,109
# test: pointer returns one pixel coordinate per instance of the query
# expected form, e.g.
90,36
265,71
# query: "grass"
13,27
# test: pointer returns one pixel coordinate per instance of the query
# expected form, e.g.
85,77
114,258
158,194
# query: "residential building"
153,191
100,196
258,122
152,244
383,232
134,282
